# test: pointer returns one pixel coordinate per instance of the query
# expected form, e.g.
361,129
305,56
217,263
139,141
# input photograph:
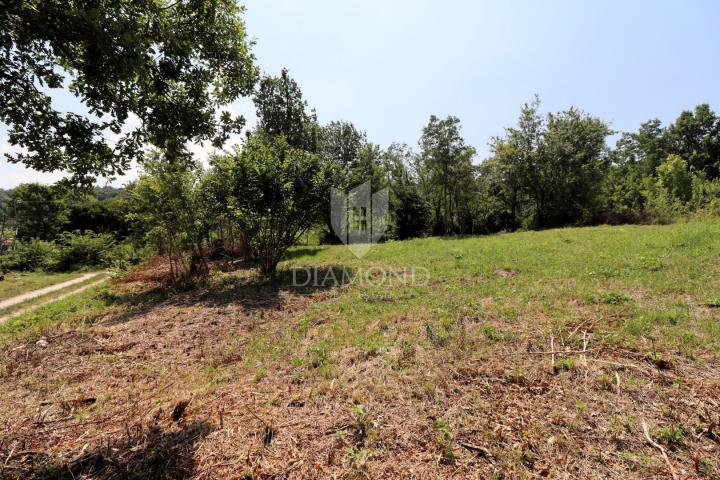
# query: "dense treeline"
49,228
547,171
161,86
256,201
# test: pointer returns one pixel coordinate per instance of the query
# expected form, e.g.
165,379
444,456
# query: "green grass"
69,311
48,296
16,283
634,281
637,280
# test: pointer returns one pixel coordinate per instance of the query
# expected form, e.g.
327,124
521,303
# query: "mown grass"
16,283
459,359
651,282
656,282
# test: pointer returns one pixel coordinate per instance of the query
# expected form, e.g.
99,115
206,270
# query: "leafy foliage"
166,202
78,250
277,193
151,72
281,110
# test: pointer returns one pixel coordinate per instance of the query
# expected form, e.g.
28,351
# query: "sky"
388,65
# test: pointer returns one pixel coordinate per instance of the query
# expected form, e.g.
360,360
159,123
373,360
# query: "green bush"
79,250
123,256
33,254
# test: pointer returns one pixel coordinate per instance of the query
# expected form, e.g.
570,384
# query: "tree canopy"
148,72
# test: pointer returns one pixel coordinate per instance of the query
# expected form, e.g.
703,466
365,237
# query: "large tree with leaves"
281,110
445,169
276,193
555,165
148,72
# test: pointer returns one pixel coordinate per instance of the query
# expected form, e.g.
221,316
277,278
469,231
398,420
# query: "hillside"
578,352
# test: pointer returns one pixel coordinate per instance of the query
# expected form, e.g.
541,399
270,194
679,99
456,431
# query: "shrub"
278,193
125,255
79,250
34,254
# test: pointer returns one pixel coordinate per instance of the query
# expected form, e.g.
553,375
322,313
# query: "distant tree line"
548,171
158,76
257,200
49,228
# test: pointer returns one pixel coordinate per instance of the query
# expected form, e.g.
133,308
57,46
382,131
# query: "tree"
445,166
412,214
165,200
557,163
674,178
41,211
278,192
167,66
695,136
281,110
574,163
342,142
500,197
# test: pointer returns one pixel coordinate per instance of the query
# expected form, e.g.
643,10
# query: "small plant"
319,356
614,298
363,425
671,435
496,334
564,365
406,357
436,339
298,377
445,440
649,263
604,383
707,468
516,376
713,302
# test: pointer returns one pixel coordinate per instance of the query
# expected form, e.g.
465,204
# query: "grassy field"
16,283
572,353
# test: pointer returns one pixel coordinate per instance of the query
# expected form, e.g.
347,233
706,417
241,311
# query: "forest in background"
254,202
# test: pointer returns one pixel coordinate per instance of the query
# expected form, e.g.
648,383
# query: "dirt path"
17,313
12,301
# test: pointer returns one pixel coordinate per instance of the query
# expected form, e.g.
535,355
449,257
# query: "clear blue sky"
388,65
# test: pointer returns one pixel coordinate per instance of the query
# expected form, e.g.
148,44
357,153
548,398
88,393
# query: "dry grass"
251,379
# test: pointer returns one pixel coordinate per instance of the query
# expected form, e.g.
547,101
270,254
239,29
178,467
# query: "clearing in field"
587,353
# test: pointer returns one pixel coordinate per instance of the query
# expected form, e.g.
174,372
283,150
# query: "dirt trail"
12,301
17,313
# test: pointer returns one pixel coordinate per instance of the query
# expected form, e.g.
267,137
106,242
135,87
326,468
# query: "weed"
436,339
671,435
445,441
604,383
496,334
319,356
260,373
566,364
650,264
614,298
363,424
